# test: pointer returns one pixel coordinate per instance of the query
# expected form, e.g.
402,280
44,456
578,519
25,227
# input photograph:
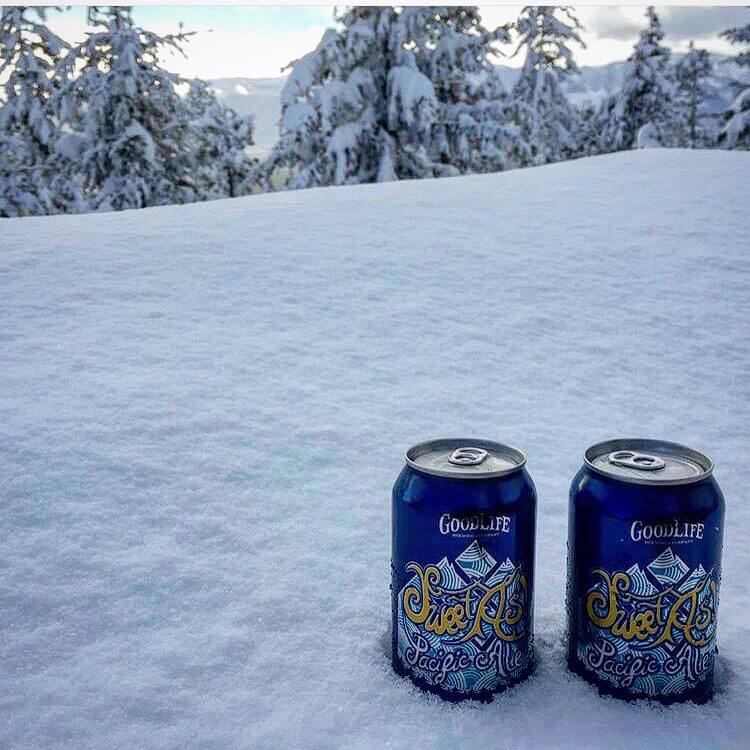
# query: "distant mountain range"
254,96
260,96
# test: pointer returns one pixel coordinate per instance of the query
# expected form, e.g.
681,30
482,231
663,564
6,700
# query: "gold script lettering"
455,617
655,615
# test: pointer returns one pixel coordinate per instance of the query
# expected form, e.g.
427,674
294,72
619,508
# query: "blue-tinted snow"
203,408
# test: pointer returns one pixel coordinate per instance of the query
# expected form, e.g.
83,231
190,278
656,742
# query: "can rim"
419,449
607,446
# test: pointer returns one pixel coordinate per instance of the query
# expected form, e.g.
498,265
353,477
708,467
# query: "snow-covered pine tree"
600,132
692,127
396,93
219,137
29,52
128,141
589,134
475,131
343,105
550,124
647,93
736,130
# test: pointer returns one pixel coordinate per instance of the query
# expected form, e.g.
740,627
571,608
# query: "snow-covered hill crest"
203,409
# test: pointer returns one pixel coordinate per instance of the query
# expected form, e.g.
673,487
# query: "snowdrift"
204,407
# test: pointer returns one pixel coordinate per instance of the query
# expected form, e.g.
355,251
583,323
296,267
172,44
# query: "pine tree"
693,129
129,140
589,135
29,52
647,93
476,130
549,122
736,130
219,137
397,93
344,104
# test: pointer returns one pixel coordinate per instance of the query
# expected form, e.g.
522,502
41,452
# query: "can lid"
465,458
643,461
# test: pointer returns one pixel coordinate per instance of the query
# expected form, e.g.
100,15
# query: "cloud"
682,24
618,23
612,31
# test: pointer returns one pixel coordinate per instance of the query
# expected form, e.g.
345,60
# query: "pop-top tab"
638,461
468,456
465,458
643,461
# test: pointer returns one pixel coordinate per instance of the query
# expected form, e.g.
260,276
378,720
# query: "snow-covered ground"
203,408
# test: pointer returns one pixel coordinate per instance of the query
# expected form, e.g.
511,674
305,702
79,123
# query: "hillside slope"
204,408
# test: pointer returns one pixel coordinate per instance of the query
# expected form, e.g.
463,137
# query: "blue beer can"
464,517
645,529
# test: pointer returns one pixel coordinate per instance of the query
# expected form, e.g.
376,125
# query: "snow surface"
203,409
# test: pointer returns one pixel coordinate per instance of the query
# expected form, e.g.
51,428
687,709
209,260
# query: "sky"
258,41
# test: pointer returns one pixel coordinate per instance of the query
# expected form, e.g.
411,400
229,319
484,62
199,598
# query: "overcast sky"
257,41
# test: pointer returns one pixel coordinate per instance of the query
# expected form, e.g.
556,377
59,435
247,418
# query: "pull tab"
634,460
467,456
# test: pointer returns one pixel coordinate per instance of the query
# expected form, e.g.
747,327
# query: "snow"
342,147
648,136
298,115
739,122
204,408
412,99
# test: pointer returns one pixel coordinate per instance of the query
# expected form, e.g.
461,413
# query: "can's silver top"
642,461
465,458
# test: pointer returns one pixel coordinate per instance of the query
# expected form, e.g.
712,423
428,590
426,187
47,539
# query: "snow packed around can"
203,409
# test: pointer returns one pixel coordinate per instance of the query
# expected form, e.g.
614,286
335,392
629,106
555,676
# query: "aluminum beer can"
464,516
645,528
